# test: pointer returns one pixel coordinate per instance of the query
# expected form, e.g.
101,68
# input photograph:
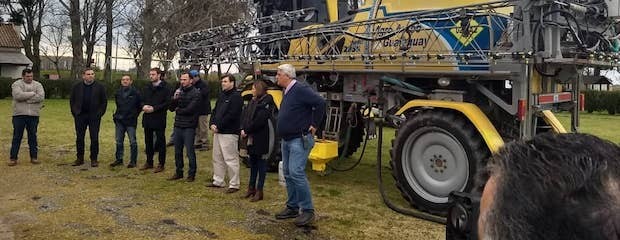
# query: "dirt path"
5,231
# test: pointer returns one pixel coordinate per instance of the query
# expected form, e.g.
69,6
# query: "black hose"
346,148
536,32
384,196
566,16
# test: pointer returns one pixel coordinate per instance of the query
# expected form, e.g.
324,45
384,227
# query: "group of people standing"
300,113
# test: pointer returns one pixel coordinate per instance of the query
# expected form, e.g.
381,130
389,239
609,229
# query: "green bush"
602,101
5,87
613,103
62,88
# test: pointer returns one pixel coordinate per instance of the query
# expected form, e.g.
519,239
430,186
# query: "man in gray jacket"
28,98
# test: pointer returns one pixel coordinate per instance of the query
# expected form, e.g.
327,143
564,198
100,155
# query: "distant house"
64,63
599,84
12,60
592,83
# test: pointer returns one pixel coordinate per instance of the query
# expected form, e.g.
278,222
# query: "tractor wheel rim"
435,163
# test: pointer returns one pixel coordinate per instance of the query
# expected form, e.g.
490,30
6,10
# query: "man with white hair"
301,111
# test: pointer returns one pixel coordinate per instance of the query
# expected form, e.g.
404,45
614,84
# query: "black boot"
116,163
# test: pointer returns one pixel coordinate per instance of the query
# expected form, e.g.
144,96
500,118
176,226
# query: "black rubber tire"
433,133
276,152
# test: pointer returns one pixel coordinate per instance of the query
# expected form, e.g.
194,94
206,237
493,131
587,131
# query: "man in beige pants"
201,141
225,123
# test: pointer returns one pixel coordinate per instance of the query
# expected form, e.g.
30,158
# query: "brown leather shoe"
146,166
159,168
78,163
249,193
190,178
232,190
94,163
211,185
258,196
175,177
12,162
35,161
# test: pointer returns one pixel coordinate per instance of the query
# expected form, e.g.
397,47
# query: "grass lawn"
56,201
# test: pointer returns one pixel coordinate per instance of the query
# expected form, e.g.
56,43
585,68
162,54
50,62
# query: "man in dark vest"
155,101
88,104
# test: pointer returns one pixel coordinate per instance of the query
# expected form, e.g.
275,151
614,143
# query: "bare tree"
55,41
148,26
152,31
92,21
109,22
133,34
32,12
77,63
180,16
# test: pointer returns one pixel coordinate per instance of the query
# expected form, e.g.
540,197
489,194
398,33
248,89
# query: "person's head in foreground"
555,186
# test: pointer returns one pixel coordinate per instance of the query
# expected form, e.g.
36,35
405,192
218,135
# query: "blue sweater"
300,108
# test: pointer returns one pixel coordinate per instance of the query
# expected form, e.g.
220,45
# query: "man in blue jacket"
125,120
301,111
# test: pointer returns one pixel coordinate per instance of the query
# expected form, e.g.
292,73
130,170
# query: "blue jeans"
29,123
184,137
120,139
258,167
294,158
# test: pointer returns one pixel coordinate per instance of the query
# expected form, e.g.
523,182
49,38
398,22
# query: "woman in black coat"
254,128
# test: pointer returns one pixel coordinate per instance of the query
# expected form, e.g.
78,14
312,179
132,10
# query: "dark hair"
86,69
26,71
156,69
230,78
555,186
261,88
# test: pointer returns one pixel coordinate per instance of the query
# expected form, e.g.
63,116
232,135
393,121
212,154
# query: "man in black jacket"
88,104
185,102
225,123
201,142
155,101
125,120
